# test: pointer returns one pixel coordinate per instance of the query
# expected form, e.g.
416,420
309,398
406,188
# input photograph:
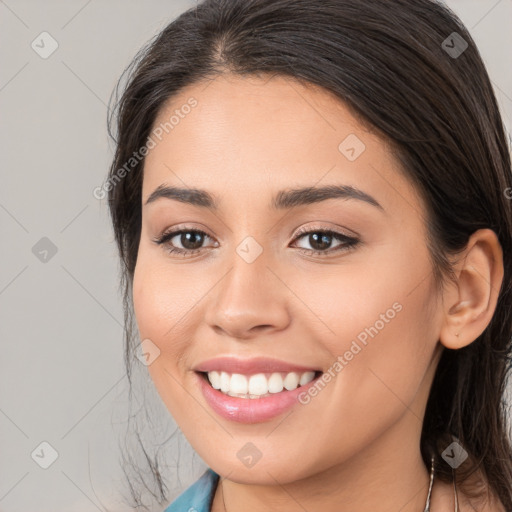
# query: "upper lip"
250,366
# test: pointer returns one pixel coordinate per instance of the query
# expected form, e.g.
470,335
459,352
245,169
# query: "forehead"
250,135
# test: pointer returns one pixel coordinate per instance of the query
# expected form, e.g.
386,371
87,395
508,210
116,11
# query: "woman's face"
266,281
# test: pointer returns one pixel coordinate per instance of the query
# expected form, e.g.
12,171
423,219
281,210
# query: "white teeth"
275,383
224,382
238,384
306,377
291,381
257,385
214,379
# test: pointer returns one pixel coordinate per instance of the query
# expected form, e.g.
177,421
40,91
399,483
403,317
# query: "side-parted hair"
403,72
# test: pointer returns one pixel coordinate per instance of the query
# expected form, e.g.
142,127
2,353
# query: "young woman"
311,201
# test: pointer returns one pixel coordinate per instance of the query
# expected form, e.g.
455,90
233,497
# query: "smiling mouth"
258,385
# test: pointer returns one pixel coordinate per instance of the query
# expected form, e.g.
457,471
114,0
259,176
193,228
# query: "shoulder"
198,497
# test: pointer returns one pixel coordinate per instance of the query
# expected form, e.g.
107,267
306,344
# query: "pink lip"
250,366
246,410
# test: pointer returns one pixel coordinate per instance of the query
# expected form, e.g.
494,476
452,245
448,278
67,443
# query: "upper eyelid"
338,231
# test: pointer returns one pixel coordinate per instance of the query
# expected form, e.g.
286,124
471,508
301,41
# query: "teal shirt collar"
199,496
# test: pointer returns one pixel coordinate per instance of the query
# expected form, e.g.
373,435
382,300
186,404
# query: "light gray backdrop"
61,371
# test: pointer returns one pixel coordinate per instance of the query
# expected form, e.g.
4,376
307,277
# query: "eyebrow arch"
300,196
285,199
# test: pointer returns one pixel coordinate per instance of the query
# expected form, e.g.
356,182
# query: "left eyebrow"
300,196
284,199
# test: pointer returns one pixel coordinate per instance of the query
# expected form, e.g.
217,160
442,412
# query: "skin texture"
357,442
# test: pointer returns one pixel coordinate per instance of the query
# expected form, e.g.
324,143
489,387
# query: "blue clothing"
199,496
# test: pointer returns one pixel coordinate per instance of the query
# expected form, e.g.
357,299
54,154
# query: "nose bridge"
248,297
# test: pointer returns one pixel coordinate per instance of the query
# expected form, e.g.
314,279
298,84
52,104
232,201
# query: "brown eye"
191,241
321,241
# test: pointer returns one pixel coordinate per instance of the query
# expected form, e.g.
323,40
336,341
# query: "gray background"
61,369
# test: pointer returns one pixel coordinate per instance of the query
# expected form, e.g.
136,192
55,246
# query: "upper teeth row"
258,384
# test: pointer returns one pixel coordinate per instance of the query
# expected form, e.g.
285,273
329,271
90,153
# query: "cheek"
165,302
163,306
154,318
379,327
380,319
161,294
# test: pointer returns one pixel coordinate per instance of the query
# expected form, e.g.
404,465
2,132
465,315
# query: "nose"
250,301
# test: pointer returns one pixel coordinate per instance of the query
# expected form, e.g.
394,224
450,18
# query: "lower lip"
250,410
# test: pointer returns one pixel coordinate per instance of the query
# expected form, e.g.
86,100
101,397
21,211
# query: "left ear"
469,304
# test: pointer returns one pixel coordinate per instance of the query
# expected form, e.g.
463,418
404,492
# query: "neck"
388,474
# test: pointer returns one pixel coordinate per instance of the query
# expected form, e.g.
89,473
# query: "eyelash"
349,242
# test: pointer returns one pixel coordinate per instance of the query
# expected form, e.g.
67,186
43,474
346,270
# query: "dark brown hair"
390,63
